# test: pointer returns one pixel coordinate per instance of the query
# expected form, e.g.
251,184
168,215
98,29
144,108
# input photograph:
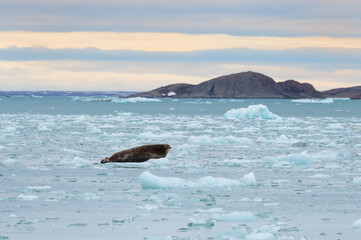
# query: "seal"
139,154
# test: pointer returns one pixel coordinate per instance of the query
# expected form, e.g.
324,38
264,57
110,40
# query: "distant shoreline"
68,93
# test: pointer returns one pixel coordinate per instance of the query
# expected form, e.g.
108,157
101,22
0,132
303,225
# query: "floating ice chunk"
151,181
335,126
9,161
135,100
211,210
217,182
249,179
260,236
235,217
12,215
39,188
160,162
148,207
170,94
321,176
326,100
204,139
252,112
75,162
357,180
357,223
296,158
28,197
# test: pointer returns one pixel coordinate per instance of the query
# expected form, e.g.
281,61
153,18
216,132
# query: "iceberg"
259,111
150,181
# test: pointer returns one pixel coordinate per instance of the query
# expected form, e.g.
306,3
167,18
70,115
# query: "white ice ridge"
326,100
259,111
150,181
135,100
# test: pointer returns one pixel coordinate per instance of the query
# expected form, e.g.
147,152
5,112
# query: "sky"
138,45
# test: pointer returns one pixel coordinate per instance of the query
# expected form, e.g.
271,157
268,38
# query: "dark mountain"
351,92
239,85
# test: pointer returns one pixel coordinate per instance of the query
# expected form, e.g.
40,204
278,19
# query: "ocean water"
280,169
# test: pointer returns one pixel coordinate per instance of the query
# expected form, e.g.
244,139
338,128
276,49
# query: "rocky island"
248,85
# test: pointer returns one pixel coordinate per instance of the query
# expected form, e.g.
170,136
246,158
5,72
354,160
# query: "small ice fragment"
12,216
357,223
249,179
357,180
260,236
28,197
296,158
321,176
235,217
38,188
148,207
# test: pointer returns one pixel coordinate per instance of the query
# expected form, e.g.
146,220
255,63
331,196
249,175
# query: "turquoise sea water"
295,177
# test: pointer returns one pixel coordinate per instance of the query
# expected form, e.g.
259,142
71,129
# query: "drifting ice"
151,181
252,112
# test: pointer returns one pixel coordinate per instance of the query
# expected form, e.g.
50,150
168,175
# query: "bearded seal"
139,154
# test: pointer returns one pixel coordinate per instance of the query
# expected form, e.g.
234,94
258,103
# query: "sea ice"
151,181
357,180
28,197
357,223
326,100
296,158
235,217
252,112
320,176
135,100
204,139
260,236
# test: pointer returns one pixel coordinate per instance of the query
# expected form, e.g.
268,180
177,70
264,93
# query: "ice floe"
356,180
150,181
293,158
204,139
235,217
259,111
327,100
357,223
135,100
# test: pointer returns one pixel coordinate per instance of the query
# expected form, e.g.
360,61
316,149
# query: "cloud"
324,58
142,76
159,42
244,17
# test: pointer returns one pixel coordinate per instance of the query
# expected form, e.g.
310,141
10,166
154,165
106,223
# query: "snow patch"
170,94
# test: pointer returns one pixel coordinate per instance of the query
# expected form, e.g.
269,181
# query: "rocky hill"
239,85
351,92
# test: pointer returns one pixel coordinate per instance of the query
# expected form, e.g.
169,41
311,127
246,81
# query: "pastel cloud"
175,42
